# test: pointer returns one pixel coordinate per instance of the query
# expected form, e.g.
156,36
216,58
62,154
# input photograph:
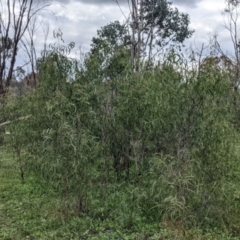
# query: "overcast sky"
80,19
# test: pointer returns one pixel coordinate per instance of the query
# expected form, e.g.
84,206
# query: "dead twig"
15,120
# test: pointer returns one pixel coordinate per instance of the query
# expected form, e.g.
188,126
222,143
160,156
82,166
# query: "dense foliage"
155,146
139,143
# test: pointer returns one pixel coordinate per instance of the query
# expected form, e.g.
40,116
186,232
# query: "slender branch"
15,120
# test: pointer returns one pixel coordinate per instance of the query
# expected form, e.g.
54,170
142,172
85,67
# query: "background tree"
110,51
229,62
15,17
231,16
154,24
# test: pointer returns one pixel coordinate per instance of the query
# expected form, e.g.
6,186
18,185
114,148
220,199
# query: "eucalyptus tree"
155,24
15,17
231,18
230,59
109,51
105,68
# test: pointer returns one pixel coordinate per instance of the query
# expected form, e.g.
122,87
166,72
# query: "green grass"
33,211
25,210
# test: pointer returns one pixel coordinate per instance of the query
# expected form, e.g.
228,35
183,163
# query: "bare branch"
15,120
20,15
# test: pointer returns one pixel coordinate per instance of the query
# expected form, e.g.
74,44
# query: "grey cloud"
97,2
105,2
63,1
79,25
187,3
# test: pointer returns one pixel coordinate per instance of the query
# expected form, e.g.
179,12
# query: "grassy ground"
32,211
